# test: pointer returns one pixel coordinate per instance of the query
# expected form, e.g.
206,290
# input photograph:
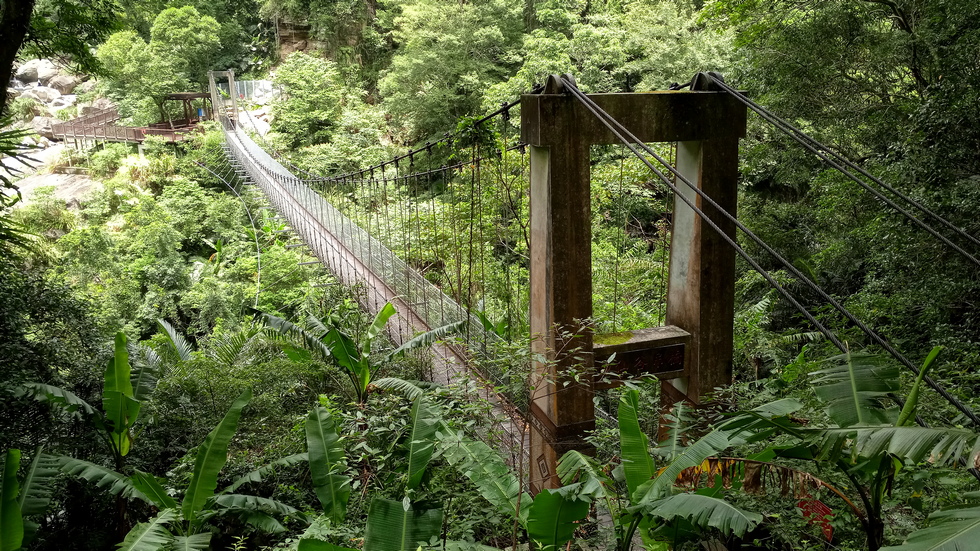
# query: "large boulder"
102,103
42,125
64,83
46,94
46,71
86,87
27,72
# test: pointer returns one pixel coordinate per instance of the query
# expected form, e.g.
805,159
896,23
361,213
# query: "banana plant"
24,498
651,498
124,390
354,355
186,525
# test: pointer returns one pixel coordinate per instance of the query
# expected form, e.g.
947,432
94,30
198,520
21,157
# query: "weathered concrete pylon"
690,356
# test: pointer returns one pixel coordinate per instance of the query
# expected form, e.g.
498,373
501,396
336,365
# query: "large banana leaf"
151,488
35,490
427,338
195,542
344,351
576,467
552,518
151,535
258,474
421,440
753,425
704,512
121,412
65,399
11,521
317,545
377,325
941,446
243,502
674,443
117,373
326,455
103,477
409,389
481,464
398,526
211,457
637,463
956,529
856,388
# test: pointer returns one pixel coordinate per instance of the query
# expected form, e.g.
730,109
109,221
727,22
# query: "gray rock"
30,94
64,83
86,87
42,125
102,103
46,71
27,72
84,108
45,94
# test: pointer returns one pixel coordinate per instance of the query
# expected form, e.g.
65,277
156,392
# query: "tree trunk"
15,20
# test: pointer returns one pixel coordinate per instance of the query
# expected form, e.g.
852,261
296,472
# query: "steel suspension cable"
629,139
825,153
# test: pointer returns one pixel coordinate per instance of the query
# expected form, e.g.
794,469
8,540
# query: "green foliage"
11,521
311,100
326,455
448,54
400,526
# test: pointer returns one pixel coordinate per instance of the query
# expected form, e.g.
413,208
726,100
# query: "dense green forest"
174,376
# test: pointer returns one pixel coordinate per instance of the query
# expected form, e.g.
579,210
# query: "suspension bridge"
492,226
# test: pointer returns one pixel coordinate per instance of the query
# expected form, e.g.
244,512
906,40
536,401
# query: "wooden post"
560,132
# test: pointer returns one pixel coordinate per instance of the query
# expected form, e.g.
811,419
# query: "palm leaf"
326,455
552,518
196,542
421,440
230,350
397,526
259,474
955,529
855,389
211,457
703,512
178,344
637,463
102,477
152,535
288,329
481,464
427,338
145,372
60,397
151,488
11,521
